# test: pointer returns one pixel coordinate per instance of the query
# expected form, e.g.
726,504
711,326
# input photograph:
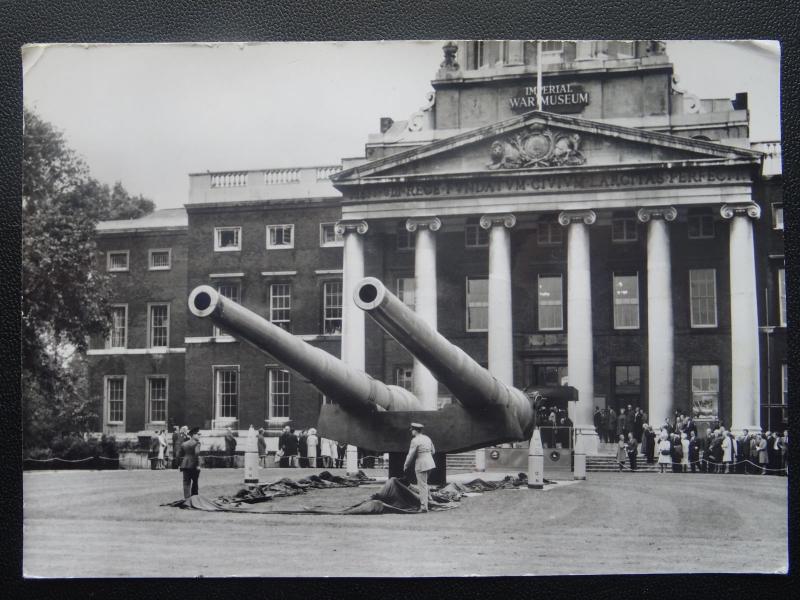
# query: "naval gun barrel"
473,386
340,382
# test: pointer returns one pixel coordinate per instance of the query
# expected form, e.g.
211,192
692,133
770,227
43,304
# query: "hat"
194,430
417,426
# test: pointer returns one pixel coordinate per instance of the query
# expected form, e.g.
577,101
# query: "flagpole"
538,74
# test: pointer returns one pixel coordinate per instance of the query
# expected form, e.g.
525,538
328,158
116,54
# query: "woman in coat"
622,451
664,452
763,457
685,451
727,454
631,448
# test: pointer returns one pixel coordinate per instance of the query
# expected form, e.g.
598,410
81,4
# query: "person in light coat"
664,452
312,445
685,449
727,453
420,455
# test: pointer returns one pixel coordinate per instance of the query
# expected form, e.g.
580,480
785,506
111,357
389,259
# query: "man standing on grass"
190,463
230,446
420,454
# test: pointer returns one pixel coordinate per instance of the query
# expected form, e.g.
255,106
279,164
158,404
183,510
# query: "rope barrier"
77,460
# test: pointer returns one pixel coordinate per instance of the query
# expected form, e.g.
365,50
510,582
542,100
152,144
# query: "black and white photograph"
432,308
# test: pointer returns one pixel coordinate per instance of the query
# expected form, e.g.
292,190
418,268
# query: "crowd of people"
554,426
304,448
676,446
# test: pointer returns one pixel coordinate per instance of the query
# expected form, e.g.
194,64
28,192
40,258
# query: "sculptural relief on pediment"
536,146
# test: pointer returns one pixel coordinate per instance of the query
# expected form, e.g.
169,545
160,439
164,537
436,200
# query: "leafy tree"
64,294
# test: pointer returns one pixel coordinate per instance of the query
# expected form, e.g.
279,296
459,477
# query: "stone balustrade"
229,180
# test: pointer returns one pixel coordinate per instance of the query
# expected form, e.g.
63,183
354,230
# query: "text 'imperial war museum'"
626,240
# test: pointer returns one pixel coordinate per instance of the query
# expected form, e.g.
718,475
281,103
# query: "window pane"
705,391
232,292
477,304
115,393
280,235
279,394
626,302
118,261
159,259
404,377
777,216
158,399
329,235
280,298
228,238
782,296
227,391
475,236
550,303
119,325
159,325
549,234
332,307
785,384
703,297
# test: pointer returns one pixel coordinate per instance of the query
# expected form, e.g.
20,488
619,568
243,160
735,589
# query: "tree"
64,294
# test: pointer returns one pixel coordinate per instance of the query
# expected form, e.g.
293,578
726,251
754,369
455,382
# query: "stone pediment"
543,142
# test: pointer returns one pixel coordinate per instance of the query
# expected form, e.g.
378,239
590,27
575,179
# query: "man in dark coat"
190,463
612,425
262,448
230,446
597,419
176,446
694,452
287,445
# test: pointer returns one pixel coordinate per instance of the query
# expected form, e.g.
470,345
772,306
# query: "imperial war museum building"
627,239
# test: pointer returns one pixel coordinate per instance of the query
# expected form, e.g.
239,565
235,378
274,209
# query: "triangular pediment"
539,141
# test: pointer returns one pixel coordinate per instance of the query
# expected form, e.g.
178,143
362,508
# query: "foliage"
65,296
74,447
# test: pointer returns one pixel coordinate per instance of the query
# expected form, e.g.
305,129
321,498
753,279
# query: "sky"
149,114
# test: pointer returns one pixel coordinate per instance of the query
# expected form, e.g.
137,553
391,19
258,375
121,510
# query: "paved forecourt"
110,523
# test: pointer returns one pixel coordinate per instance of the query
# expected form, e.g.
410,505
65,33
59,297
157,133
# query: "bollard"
251,458
352,460
480,459
579,455
535,462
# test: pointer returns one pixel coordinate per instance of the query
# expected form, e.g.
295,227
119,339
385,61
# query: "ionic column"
745,384
580,359
426,387
353,338
660,328
501,341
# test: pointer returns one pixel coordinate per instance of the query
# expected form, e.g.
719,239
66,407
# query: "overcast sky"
150,114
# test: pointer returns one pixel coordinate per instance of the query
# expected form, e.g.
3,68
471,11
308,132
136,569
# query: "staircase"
464,462
608,464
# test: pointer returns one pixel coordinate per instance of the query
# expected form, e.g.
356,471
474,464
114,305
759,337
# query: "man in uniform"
190,462
420,454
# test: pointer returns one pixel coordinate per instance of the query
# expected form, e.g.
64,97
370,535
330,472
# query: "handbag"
665,453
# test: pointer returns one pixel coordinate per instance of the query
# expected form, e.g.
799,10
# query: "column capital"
745,209
571,216
646,213
345,226
432,223
508,220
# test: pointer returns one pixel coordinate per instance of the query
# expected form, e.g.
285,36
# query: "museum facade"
627,240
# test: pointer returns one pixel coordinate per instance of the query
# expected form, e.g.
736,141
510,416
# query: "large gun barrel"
345,385
474,387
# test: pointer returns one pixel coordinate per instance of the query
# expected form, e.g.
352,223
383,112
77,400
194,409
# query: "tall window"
627,376
157,399
623,229
405,238
226,393
118,337
777,215
549,233
406,287
118,260
279,394
475,236
626,301
332,307
328,236
280,237
227,239
782,296
705,391
703,297
232,291
551,314
700,226
784,383
477,304
160,260
404,377
115,398
159,325
280,304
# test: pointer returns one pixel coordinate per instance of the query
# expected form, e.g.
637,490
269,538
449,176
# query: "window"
118,260
227,239
332,308
118,337
232,291
549,233
782,296
627,376
551,317
624,230
115,398
280,237
626,301
405,239
705,391
777,216
226,393
160,260
279,394
701,226
406,287
550,375
475,236
328,236
159,325
625,49
404,377
477,304
157,399
280,304
703,297
785,383
552,51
